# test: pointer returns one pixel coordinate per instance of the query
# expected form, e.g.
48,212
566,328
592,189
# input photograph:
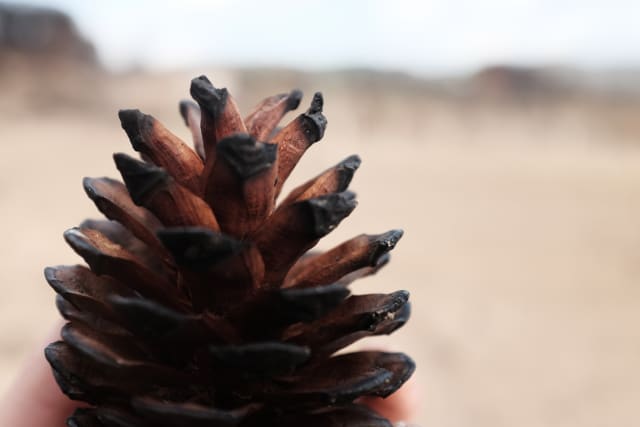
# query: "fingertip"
401,407
33,398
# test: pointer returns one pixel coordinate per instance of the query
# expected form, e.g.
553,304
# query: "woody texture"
202,303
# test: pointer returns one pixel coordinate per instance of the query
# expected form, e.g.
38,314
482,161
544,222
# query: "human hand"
34,399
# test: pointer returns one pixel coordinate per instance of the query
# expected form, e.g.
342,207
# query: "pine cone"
202,304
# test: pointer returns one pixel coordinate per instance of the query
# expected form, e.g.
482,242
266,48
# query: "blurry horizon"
509,153
434,38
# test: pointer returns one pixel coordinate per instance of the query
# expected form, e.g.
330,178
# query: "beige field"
522,244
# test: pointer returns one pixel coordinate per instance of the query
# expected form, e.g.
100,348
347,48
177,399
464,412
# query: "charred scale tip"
392,312
327,211
79,242
346,169
198,248
393,307
400,297
352,162
89,185
142,179
402,367
211,100
89,188
246,156
135,124
261,357
316,104
70,335
399,318
52,354
293,99
384,243
313,121
51,276
184,106
389,316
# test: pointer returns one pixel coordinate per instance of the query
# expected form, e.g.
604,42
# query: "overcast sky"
421,37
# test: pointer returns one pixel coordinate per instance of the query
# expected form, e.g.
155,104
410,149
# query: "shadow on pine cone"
202,305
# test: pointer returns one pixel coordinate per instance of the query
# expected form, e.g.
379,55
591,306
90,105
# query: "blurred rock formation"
42,32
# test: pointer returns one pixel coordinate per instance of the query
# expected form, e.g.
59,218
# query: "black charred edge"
210,99
293,99
198,248
50,275
384,243
399,319
346,169
313,122
142,179
69,311
147,318
316,104
71,388
70,336
137,126
387,317
83,247
184,106
327,211
184,414
348,389
65,308
70,385
309,304
374,373
89,187
245,156
260,358
404,368
397,300
61,288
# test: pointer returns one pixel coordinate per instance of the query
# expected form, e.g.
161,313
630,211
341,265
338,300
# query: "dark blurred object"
502,82
45,63
36,31
513,83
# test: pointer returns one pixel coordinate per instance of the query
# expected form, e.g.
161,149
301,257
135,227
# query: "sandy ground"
521,250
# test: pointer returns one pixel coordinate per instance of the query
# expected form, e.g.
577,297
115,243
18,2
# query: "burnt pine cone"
202,305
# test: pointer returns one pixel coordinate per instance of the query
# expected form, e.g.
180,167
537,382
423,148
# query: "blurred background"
503,136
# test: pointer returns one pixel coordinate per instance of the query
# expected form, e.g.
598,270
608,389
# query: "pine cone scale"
162,148
265,116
